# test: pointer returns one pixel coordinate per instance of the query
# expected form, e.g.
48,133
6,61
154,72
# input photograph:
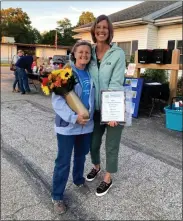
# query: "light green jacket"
110,74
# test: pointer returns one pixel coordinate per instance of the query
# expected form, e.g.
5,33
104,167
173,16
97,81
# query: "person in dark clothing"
23,65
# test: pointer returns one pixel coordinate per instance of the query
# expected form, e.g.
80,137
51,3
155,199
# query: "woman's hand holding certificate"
113,107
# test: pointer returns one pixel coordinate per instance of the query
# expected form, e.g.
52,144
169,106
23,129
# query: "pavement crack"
40,182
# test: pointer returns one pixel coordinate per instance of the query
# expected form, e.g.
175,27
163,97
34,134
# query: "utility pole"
56,39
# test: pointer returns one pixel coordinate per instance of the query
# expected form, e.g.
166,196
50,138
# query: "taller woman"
107,68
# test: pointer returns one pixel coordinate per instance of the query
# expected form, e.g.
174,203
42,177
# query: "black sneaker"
92,174
103,188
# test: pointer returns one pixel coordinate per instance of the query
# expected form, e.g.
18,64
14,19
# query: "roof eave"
132,22
168,21
78,30
118,24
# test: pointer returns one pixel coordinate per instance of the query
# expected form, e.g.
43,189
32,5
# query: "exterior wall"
152,36
86,36
126,34
7,52
49,52
166,33
132,33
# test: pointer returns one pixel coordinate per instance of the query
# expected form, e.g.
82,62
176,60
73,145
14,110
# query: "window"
180,47
126,46
134,47
171,44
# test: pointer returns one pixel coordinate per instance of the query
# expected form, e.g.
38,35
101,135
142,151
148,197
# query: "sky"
45,14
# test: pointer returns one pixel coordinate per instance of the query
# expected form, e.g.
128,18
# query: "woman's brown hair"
110,27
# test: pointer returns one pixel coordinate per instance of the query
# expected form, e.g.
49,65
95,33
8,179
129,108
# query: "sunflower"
45,89
66,74
55,72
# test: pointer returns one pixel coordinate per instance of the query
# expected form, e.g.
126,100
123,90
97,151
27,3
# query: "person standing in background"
23,65
20,53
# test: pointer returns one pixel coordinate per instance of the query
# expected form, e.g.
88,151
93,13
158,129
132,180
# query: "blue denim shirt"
65,121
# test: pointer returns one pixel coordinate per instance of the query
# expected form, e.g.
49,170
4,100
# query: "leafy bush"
132,59
155,75
180,86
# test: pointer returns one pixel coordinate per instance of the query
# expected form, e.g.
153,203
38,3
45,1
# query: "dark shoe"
23,93
83,188
59,206
103,188
92,174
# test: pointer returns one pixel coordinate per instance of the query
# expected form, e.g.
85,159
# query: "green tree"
36,35
49,37
85,18
65,29
64,24
16,23
15,15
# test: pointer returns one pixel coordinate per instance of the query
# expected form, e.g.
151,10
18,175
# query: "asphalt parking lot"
148,185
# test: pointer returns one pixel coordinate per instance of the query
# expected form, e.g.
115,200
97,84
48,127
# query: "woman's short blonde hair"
77,44
99,19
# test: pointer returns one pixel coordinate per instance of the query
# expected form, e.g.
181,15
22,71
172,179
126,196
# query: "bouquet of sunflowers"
62,83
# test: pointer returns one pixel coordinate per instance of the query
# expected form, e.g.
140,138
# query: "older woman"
73,130
107,68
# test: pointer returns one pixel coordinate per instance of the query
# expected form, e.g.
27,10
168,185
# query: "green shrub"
132,59
156,75
180,86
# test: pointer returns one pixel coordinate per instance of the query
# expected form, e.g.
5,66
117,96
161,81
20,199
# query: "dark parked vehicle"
60,59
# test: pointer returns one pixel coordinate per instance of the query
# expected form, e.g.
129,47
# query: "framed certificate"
112,106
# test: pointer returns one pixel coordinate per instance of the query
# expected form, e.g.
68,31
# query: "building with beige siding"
148,25
9,49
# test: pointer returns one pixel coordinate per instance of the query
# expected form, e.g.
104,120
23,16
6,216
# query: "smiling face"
82,55
102,31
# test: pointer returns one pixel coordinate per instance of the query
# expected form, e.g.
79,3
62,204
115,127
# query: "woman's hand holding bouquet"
62,82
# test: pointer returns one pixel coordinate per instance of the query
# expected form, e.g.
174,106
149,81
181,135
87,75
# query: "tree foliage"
85,18
15,15
49,37
16,23
65,29
64,24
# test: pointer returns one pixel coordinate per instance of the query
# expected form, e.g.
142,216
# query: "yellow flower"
66,73
45,90
69,71
55,72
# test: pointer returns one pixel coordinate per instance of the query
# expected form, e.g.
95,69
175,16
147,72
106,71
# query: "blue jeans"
16,81
23,80
66,143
